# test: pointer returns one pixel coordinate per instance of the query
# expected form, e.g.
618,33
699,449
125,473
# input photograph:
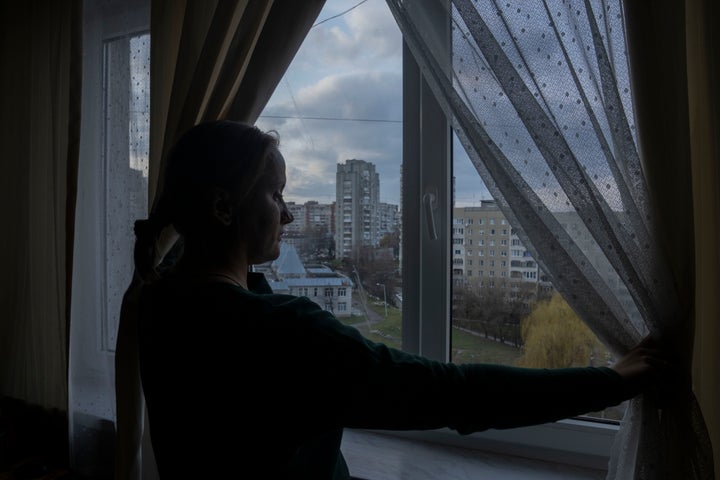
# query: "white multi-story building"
320,216
487,252
357,198
299,213
388,219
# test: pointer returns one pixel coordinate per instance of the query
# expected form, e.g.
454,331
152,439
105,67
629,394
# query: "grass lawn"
469,348
466,348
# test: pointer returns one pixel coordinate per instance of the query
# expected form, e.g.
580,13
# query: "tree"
554,337
495,313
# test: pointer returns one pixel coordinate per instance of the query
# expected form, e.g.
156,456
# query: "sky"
341,98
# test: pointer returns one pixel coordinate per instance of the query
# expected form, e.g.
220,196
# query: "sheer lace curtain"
209,60
539,93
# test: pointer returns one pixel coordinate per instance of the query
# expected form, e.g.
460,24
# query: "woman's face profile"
267,213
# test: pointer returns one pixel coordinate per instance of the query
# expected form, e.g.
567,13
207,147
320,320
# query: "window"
112,193
429,241
433,284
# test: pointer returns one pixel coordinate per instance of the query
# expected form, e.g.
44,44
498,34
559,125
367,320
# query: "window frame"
427,262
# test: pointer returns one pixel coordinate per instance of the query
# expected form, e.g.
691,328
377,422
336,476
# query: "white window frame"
427,269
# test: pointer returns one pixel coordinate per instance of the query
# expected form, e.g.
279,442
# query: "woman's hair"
220,154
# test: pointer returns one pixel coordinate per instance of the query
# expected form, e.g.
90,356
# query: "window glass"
126,138
338,110
518,318
339,113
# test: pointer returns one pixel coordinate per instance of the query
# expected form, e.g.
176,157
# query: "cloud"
349,67
364,36
338,117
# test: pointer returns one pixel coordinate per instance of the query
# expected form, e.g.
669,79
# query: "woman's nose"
286,217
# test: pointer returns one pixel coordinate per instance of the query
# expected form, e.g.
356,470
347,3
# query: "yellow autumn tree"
554,337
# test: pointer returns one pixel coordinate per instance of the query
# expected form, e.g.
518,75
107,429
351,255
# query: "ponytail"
147,233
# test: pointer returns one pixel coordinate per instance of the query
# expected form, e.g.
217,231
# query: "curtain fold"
703,58
40,56
540,96
658,51
209,60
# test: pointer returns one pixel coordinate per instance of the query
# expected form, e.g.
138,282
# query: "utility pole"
384,296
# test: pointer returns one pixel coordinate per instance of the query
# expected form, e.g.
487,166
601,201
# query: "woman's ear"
222,206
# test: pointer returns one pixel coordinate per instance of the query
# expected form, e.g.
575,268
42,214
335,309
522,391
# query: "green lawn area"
467,348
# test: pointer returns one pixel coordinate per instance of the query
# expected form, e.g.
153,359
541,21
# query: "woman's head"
218,179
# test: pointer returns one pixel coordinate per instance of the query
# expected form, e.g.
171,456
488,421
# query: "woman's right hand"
648,369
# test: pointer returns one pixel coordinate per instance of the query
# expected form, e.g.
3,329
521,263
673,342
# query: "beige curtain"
675,71
703,57
218,59
40,60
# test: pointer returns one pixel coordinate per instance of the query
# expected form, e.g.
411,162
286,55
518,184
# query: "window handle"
429,200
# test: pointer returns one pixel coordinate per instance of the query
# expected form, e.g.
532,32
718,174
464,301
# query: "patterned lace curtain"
539,95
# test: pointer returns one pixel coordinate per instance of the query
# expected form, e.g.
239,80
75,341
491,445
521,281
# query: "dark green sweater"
250,381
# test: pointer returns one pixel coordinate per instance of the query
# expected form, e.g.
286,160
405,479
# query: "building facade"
331,290
487,253
357,198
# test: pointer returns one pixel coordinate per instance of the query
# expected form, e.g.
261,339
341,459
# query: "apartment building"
357,198
487,252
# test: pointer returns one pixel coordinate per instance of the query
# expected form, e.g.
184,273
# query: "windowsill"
388,456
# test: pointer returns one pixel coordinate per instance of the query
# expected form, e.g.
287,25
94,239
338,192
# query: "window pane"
504,309
338,111
127,124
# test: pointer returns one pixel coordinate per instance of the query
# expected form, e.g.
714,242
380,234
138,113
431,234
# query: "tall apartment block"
357,199
486,251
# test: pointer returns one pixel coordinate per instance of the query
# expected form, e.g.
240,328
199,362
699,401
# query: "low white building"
329,289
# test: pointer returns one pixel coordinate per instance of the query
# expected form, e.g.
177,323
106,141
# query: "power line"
334,119
339,14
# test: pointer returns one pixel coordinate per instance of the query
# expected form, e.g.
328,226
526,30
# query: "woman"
238,379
